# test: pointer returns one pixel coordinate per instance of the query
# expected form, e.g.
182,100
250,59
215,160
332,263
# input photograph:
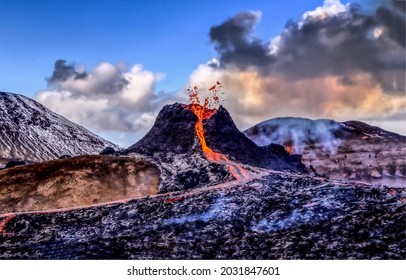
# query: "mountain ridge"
267,131
31,132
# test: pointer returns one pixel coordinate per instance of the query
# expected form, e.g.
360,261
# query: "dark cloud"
64,71
343,44
400,5
394,23
235,46
110,80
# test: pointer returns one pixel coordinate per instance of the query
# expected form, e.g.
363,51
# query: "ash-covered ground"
251,203
281,216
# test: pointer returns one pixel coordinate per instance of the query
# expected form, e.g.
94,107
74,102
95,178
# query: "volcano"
203,190
194,151
174,132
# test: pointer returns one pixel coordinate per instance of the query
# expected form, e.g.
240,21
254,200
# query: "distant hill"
350,150
31,132
302,131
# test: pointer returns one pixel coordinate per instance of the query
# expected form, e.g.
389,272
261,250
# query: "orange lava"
7,218
172,199
203,112
206,111
289,149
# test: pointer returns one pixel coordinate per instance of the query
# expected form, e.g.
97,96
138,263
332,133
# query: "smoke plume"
336,61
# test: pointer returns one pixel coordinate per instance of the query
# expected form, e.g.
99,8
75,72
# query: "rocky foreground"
246,202
281,216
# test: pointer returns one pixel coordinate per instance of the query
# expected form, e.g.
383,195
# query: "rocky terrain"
31,132
280,216
349,150
75,182
172,144
220,196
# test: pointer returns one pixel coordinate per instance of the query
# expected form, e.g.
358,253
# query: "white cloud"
107,98
252,97
314,74
329,8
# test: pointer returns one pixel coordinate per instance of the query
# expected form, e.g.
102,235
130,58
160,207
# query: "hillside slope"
31,132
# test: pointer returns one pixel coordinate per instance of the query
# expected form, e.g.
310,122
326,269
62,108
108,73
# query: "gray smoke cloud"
318,45
297,133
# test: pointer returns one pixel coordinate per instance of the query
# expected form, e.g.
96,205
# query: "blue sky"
136,56
169,37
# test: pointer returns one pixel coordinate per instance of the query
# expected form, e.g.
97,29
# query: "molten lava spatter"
289,149
289,146
3,223
206,111
202,112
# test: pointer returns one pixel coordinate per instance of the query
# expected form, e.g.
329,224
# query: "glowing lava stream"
3,223
203,112
240,173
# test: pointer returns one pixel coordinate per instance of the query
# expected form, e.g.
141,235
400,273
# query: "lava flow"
6,218
289,149
206,111
203,112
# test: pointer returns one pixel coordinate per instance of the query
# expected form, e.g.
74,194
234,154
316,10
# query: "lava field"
280,216
219,196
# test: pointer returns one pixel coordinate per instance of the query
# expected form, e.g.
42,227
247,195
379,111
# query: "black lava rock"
173,131
14,163
65,156
223,136
279,217
108,151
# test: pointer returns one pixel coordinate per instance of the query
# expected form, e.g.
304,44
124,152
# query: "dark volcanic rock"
223,136
173,131
350,150
65,156
172,145
361,128
304,131
14,163
108,151
278,217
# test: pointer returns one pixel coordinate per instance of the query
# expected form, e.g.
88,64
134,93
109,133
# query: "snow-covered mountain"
31,132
